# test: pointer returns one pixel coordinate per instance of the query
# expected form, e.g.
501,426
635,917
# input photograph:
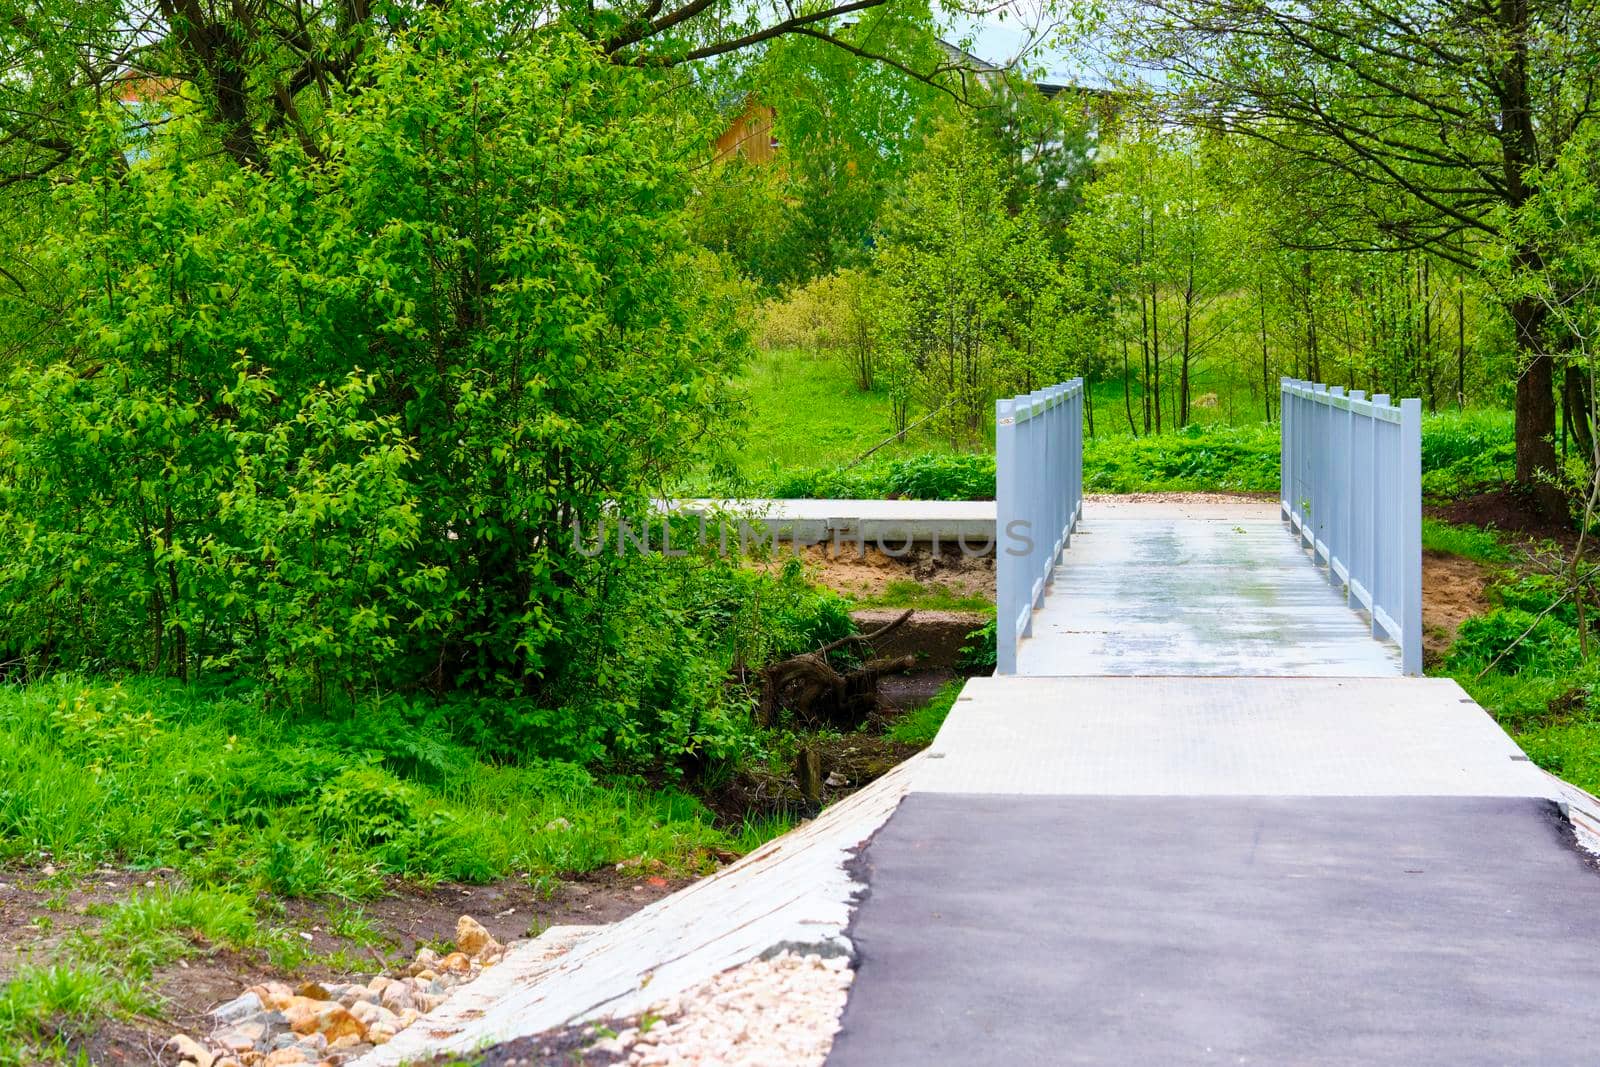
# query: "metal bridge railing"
1038,444
1351,486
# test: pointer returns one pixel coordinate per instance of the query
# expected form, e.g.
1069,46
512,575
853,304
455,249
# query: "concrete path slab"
891,522
1142,930
1215,591
1225,737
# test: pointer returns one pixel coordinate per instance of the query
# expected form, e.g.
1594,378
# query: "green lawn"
804,411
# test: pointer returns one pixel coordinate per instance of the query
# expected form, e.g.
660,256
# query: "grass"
1470,542
104,971
809,424
1522,660
921,726
249,807
42,1008
804,405
146,773
906,593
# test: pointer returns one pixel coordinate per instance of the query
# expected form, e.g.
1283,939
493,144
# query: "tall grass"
148,773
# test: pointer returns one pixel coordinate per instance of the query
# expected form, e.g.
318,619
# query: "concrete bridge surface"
1209,822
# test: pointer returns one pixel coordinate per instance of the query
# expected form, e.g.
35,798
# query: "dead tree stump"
817,694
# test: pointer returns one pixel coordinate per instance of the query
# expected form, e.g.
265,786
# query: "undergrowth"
1523,659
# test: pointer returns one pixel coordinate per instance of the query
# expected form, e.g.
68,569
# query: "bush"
1550,646
1215,458
1465,452
931,476
837,314
338,445
232,798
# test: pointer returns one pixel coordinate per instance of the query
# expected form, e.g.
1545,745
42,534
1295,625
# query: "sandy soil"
870,574
1452,591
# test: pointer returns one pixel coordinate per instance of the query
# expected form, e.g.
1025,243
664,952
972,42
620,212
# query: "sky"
1021,31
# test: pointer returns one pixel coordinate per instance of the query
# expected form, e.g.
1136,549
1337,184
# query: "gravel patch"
783,1010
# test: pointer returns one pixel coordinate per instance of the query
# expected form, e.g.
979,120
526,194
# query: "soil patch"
1453,590
869,573
1508,509
934,637
900,693
846,763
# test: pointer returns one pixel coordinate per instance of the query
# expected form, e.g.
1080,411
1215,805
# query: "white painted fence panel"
1038,501
1351,486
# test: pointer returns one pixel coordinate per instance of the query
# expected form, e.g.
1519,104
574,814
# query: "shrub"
1222,458
337,445
1549,646
930,476
1463,452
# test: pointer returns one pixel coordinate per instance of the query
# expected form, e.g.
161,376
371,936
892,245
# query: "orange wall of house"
749,135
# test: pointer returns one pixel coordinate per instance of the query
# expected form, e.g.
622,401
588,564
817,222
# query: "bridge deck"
1218,588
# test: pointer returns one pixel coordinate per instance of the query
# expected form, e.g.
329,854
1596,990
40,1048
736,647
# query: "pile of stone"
783,1010
276,1025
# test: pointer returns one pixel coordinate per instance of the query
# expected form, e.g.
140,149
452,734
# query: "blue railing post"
1351,486
1038,500
1411,535
1286,456
1007,567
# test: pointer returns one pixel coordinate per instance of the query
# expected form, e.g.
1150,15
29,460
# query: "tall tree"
1435,114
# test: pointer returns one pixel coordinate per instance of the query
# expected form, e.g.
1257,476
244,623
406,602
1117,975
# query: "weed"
42,1008
935,596
1470,542
921,725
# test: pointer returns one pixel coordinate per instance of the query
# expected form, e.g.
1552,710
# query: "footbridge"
1207,811
1327,581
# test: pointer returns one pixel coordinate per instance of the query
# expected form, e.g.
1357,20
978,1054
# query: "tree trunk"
1536,416
1127,397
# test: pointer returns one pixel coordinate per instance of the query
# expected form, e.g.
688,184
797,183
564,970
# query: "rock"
241,1038
472,938
382,1024
255,1032
336,1023
457,962
380,983
409,1016
273,994
347,1041
227,1061
240,1007
314,990
190,1051
307,1016
313,1043
284,1056
357,994
397,998
425,976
